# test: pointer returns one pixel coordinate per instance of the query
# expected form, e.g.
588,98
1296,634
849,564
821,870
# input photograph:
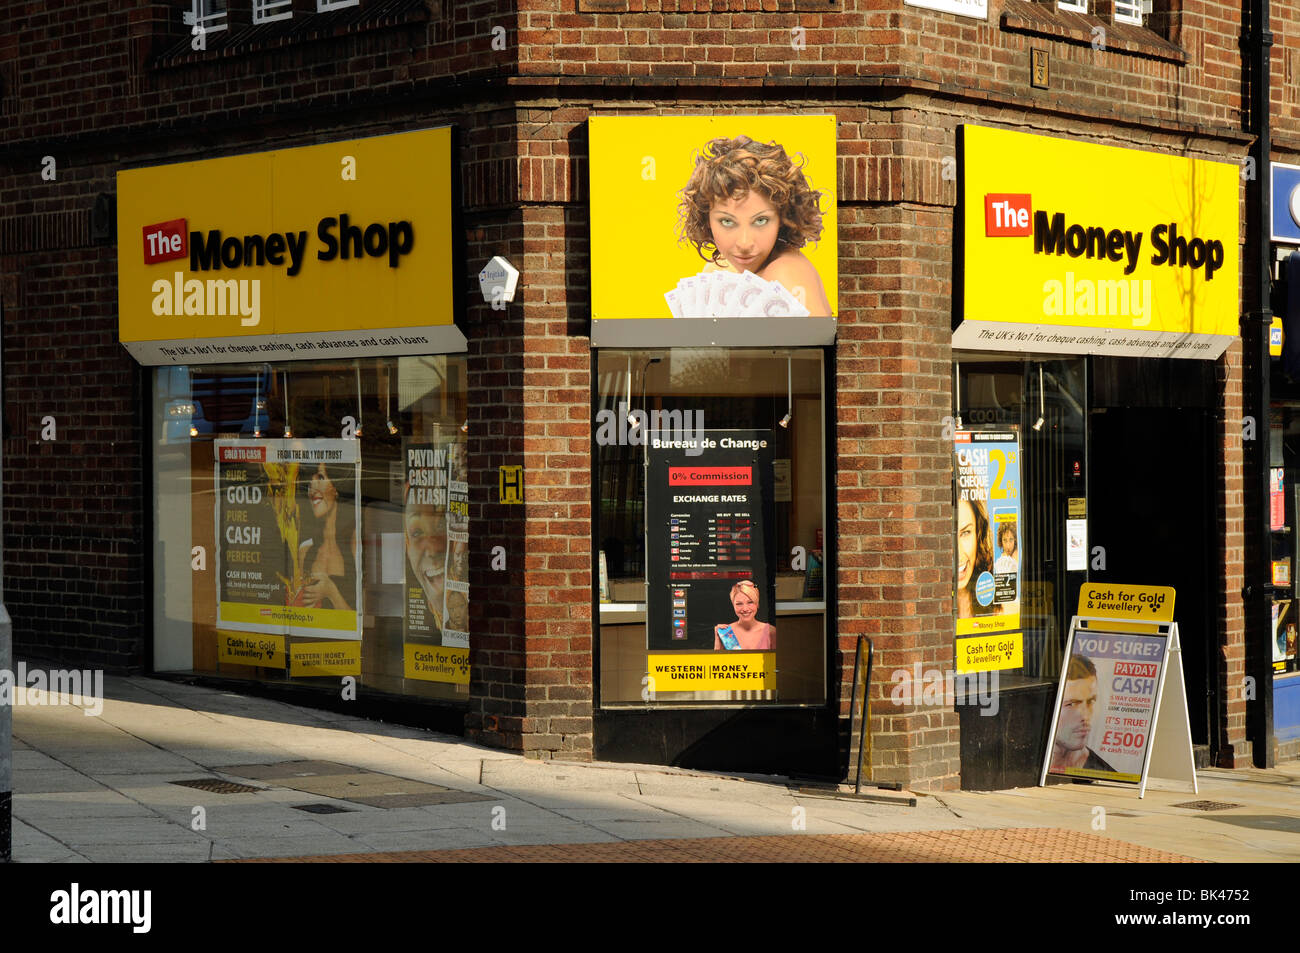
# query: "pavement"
264,780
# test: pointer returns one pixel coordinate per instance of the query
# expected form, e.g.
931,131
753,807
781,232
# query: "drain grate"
322,809
1207,805
218,786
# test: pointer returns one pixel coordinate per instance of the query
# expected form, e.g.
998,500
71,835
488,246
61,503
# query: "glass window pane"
312,521
774,393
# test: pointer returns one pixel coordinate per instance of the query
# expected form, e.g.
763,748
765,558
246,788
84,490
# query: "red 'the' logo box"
165,241
1007,213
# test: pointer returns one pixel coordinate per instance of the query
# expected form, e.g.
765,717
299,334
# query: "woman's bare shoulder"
791,268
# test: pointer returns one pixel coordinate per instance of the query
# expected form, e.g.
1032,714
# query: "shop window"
1284,523
312,523
709,527
1030,539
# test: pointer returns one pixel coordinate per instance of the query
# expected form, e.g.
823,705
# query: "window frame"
202,11
272,11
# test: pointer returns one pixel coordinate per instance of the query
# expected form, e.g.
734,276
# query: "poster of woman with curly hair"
725,216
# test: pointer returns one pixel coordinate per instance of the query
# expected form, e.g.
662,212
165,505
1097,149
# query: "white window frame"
325,6
202,13
1131,11
269,11
1074,6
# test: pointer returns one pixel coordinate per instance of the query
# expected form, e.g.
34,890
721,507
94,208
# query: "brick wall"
530,404
73,518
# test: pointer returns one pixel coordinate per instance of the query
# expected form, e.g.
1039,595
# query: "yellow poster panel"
324,658
711,671
990,653
434,663
989,624
345,236
1137,241
248,648
1138,603
651,227
331,620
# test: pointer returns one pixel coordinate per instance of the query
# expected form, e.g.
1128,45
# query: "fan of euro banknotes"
726,294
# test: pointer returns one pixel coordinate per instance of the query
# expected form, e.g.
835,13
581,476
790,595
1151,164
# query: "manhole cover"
322,809
1207,805
217,786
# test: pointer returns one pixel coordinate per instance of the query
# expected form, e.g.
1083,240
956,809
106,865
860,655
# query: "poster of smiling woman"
713,217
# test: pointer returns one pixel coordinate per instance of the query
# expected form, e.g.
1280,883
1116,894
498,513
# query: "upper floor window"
268,11
1131,11
1125,11
206,16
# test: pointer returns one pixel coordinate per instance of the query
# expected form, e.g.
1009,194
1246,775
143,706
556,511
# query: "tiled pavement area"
1017,845
174,772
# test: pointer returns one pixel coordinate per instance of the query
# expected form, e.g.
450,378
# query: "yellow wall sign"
511,484
247,648
434,663
324,658
1138,603
653,228
987,653
333,250
711,671
1072,247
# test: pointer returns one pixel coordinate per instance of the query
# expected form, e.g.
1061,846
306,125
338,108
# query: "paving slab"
52,781
147,852
90,832
446,839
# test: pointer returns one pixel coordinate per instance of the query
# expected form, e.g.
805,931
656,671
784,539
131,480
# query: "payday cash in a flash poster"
436,517
709,527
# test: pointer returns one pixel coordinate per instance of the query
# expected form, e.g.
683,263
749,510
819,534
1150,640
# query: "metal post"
6,663
1259,590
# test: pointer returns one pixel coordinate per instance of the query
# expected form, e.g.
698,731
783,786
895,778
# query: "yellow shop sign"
336,250
1071,247
308,659
711,671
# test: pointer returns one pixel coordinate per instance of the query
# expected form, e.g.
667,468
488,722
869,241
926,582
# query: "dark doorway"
1152,472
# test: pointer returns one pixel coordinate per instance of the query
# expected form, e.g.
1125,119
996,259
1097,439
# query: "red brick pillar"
531,393
894,469
1234,746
